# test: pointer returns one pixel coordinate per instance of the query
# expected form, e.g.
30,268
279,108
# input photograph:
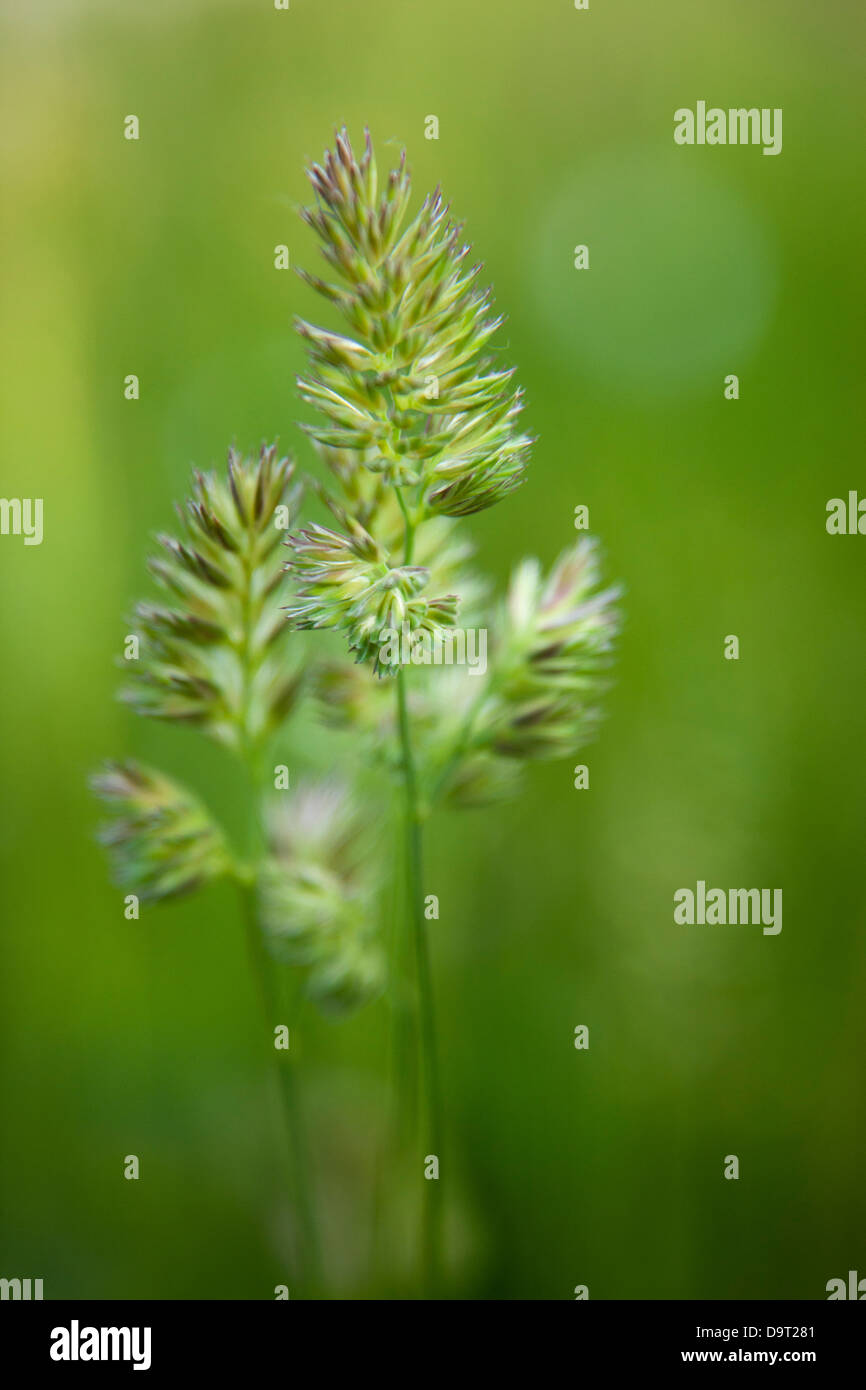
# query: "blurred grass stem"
309,1265
432,1214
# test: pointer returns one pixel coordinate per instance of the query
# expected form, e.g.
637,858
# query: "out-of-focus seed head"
557,637
441,710
316,893
161,841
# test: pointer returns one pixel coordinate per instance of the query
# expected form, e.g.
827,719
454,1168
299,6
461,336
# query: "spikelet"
345,581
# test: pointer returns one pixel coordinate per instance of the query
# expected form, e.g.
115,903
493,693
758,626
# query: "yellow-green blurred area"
601,1167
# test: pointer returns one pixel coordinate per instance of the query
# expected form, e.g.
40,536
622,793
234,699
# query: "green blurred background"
601,1167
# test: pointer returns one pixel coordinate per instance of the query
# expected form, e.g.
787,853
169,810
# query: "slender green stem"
432,1219
309,1261
402,1040
400,1074
410,527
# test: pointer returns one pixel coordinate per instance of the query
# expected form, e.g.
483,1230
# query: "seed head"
316,891
557,637
410,390
209,655
161,841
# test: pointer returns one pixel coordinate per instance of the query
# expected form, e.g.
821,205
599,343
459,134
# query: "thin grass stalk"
308,1272
432,1205
309,1263
399,1071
